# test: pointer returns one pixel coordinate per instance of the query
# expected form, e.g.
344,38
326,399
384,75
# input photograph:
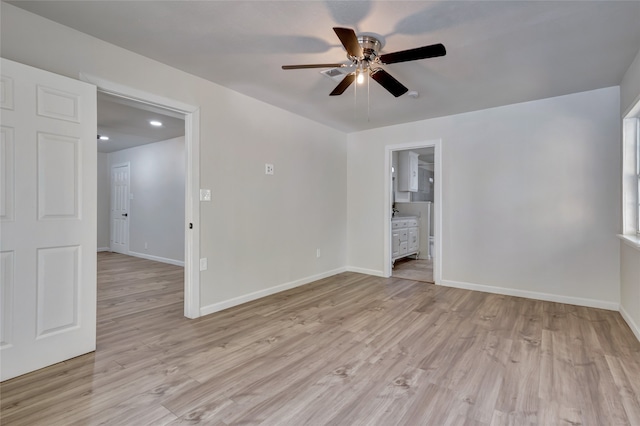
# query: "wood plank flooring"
413,269
347,350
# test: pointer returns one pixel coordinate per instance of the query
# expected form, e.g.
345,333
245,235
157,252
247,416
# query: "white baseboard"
591,303
365,271
157,258
104,249
632,325
216,307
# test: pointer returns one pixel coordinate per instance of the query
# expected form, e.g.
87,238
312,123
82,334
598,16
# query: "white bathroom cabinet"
408,171
405,237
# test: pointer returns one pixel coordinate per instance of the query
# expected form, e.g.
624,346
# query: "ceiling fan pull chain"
355,100
368,101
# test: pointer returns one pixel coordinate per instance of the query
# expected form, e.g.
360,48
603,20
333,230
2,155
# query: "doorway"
412,181
191,116
412,219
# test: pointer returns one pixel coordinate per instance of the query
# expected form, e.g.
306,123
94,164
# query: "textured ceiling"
498,52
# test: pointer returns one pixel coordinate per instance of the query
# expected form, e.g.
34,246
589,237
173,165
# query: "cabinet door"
403,248
413,240
413,172
395,244
408,171
403,234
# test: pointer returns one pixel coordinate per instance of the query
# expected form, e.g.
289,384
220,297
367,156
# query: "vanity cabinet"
405,237
408,171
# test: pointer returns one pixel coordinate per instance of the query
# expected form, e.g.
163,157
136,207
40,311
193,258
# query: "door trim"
437,201
192,179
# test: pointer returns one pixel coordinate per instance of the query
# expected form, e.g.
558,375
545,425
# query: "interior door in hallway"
47,219
120,208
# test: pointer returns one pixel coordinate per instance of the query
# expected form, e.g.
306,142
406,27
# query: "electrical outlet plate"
268,169
203,264
205,195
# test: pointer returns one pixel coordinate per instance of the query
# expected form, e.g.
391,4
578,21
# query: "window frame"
631,175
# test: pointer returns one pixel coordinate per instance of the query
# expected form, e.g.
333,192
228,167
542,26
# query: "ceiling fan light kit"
363,52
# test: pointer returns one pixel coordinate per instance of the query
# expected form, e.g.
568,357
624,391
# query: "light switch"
205,195
203,264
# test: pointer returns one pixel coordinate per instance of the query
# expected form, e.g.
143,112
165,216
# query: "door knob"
125,214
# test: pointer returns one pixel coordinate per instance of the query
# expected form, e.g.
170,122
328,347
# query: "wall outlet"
203,264
205,195
268,169
317,253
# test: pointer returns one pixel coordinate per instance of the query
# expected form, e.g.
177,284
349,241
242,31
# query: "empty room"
387,213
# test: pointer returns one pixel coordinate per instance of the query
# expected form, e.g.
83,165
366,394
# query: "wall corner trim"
229,303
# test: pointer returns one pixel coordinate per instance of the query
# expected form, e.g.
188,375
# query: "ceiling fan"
363,52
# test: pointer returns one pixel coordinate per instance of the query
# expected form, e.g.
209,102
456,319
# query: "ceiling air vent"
336,73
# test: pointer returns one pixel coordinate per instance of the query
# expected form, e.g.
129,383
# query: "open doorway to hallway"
141,193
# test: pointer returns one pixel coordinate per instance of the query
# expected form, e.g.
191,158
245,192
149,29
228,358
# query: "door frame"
113,166
437,203
192,179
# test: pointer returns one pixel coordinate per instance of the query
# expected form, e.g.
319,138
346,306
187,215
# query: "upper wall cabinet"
408,171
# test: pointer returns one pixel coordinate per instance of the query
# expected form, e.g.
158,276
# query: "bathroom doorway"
412,180
413,204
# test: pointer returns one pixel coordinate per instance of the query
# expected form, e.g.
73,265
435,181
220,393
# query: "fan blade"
300,67
424,52
388,82
346,82
349,40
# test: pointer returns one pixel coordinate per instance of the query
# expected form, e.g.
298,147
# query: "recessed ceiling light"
155,123
103,137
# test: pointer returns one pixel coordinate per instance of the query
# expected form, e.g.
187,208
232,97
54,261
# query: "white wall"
630,86
259,231
531,197
630,253
103,201
156,212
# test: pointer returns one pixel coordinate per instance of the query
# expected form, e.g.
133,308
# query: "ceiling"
126,123
498,52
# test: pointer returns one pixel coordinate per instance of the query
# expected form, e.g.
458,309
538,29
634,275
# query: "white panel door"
120,208
47,220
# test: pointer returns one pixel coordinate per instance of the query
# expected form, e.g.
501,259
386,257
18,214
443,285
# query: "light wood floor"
347,350
413,269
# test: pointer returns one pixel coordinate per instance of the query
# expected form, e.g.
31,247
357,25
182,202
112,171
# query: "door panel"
120,208
7,186
47,219
58,289
58,176
6,297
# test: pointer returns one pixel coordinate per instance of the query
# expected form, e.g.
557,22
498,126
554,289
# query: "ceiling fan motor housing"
370,48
